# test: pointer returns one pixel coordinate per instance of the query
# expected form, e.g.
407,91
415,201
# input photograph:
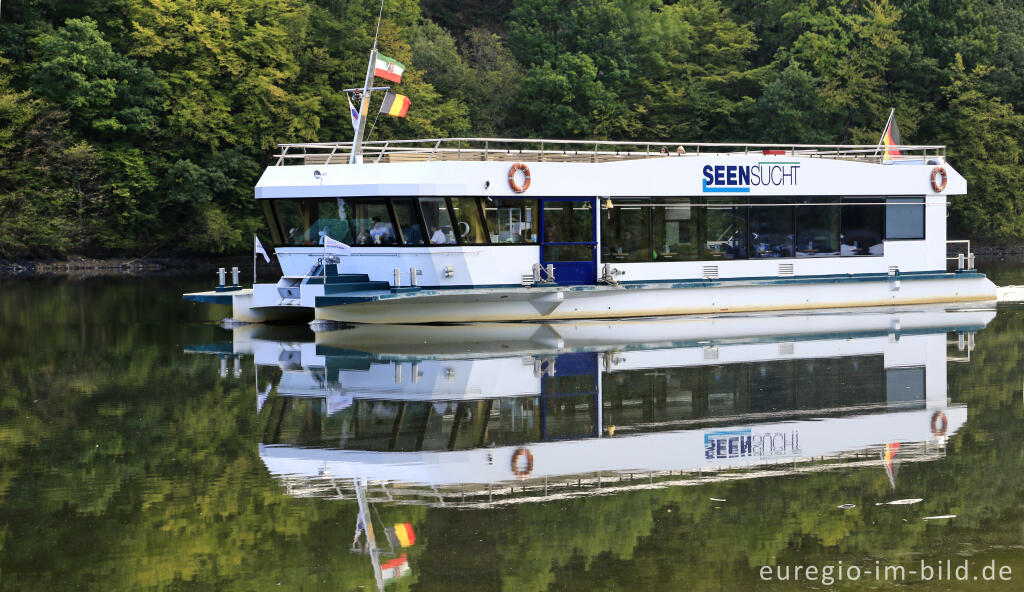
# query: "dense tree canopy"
141,125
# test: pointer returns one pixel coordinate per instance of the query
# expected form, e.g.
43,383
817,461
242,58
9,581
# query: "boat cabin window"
304,221
817,227
724,228
408,221
675,228
771,228
469,221
904,218
512,220
861,226
626,231
440,229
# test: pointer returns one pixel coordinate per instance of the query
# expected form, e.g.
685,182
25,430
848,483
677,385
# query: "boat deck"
580,151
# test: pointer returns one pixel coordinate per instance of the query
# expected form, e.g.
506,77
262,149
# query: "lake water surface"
145,447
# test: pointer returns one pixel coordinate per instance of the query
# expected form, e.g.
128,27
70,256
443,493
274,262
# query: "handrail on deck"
964,260
540,150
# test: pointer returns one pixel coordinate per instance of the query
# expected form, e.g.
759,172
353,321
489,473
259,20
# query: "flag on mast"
355,114
258,249
395,104
891,137
388,68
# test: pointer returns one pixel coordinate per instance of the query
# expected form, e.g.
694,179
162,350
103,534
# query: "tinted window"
771,229
861,226
440,229
904,217
408,221
724,228
626,231
675,229
817,227
469,221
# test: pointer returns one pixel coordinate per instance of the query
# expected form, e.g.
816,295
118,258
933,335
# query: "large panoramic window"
861,226
512,220
305,221
817,227
724,228
626,231
469,221
771,228
440,230
675,229
904,218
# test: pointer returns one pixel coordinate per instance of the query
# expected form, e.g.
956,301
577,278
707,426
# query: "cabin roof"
590,151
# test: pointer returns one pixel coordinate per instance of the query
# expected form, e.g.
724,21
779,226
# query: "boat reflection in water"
484,415
468,410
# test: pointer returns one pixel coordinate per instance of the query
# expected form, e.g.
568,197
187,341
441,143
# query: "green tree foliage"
154,118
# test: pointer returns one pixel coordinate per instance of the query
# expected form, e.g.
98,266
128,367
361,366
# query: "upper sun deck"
580,151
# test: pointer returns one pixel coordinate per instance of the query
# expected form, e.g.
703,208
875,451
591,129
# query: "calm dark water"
144,447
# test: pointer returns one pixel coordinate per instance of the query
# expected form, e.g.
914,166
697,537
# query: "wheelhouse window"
512,220
817,227
469,221
771,228
861,226
724,228
626,231
904,218
675,229
436,216
303,222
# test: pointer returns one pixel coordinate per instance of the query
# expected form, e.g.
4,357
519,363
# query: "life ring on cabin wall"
936,173
512,177
939,424
521,472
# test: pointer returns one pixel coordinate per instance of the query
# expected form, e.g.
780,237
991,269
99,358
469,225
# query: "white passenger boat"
469,229
449,231
704,397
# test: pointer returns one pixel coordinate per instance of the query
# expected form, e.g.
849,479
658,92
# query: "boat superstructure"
468,229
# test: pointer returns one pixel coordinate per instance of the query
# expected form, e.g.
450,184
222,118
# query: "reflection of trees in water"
126,465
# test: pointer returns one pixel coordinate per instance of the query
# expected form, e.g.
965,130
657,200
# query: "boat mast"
364,104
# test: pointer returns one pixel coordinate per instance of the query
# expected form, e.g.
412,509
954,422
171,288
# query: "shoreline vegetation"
134,127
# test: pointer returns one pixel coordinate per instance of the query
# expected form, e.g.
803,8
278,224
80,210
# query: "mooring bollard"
234,276
220,277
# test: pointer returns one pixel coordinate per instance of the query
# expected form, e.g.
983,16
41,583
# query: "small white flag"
335,246
355,115
258,246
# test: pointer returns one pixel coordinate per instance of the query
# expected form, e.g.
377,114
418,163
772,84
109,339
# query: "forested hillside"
140,126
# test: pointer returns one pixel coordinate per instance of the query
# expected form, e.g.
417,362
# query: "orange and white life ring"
522,472
939,424
936,173
512,177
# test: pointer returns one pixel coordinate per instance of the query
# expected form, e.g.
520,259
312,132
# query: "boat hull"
655,299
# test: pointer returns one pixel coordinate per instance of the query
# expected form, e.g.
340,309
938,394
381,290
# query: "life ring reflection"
520,471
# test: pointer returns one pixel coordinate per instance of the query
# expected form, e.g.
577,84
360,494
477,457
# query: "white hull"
563,303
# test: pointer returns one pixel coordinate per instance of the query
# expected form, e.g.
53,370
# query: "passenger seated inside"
382,233
438,237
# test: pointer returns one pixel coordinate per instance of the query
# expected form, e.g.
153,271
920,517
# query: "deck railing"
962,254
536,150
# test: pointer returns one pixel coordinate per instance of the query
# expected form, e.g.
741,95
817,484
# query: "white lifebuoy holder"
513,182
936,184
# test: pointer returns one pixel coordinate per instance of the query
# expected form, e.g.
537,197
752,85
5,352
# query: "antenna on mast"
364,104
